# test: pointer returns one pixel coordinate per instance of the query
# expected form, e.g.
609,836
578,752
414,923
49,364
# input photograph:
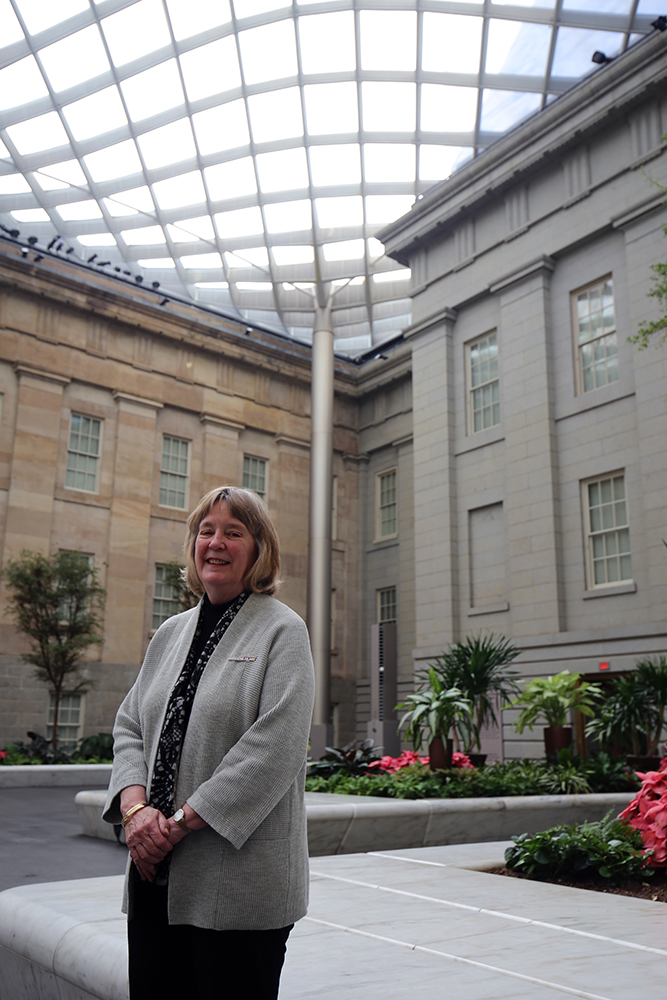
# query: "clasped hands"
150,836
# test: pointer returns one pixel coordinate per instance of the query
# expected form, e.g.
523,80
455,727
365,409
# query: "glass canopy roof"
239,152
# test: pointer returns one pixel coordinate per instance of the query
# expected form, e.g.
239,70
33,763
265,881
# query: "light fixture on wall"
600,58
660,23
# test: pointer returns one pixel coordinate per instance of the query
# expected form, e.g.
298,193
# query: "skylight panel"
130,202
202,261
211,284
241,222
136,30
339,164
288,216
388,39
286,255
501,109
575,46
284,170
152,91
177,192
276,115
389,107
451,43
14,184
344,250
10,27
101,112
221,128
211,69
157,262
375,248
327,43
231,180
78,211
402,274
42,14
334,213
30,215
610,6
146,236
168,144
252,257
268,52
37,134
518,48
96,240
57,176
248,8
191,230
548,4
75,58
385,162
191,17
4,152
119,160
331,108
438,162
384,208
448,109
20,83
254,286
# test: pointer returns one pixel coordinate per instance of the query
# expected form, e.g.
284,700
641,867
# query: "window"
70,718
386,524
595,331
484,392
166,601
68,609
386,605
254,475
608,531
83,453
174,472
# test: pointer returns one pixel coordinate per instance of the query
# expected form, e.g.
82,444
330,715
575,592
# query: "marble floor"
381,926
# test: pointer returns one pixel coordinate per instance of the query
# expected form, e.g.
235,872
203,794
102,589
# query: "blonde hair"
263,577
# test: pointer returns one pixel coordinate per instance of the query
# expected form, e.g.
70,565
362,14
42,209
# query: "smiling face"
224,552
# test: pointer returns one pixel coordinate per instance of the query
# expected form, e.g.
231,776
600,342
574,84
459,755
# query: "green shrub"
608,848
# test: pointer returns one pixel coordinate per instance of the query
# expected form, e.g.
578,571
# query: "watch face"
179,815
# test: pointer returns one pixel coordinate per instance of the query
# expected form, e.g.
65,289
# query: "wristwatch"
179,817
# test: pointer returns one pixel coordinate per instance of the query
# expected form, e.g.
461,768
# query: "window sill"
380,544
491,610
480,439
610,591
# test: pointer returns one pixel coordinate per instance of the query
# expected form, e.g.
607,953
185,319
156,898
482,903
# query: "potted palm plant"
431,714
552,699
632,716
478,667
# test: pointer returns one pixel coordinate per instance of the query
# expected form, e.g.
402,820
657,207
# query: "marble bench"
349,824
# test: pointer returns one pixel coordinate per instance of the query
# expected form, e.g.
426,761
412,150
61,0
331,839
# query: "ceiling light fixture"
600,58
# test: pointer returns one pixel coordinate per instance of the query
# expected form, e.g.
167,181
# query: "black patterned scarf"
177,716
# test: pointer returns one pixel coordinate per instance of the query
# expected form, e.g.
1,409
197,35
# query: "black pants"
193,962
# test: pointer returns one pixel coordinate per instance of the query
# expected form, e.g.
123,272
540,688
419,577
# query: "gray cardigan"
242,766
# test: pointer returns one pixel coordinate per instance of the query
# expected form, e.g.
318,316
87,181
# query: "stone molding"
210,418
446,316
543,265
28,371
126,397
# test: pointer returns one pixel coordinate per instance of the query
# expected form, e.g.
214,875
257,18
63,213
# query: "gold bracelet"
132,811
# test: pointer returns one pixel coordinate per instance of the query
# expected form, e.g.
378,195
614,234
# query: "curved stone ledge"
50,775
350,824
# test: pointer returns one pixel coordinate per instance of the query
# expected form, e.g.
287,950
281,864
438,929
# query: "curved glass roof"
241,152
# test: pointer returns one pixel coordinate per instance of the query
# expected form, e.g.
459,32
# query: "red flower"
648,813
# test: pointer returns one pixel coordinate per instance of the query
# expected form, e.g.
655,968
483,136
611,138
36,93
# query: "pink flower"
461,760
648,813
409,757
3,753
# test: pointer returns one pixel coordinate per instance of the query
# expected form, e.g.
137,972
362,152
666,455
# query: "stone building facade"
501,468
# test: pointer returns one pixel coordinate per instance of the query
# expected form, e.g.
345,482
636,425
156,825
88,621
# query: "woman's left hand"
192,820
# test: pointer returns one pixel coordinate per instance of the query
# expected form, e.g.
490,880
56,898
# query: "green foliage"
552,698
99,747
628,715
89,750
478,668
174,578
659,292
353,758
608,848
57,603
433,710
566,775
653,679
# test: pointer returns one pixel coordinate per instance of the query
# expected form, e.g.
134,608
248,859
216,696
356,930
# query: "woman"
209,764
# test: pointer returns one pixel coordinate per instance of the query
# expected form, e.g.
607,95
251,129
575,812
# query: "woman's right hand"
147,838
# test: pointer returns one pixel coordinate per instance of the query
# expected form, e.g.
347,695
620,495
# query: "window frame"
265,463
577,345
81,695
379,507
590,533
472,389
170,600
97,458
378,602
170,472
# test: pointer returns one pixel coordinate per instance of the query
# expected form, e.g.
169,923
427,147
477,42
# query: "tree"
174,578
57,603
659,292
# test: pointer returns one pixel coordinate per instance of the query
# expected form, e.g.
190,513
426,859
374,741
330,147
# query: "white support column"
319,549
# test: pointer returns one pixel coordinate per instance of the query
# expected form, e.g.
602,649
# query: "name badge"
241,659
